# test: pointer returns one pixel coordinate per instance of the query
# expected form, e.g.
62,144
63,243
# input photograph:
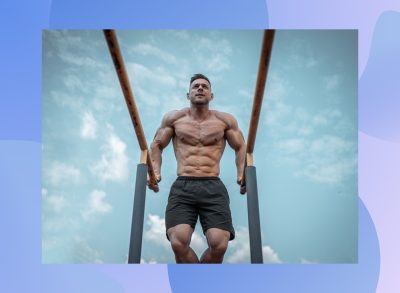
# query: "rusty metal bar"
260,86
119,65
266,49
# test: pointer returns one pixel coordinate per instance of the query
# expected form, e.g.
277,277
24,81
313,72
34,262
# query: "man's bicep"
235,138
163,136
165,132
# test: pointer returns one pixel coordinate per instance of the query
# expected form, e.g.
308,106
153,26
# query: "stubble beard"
205,102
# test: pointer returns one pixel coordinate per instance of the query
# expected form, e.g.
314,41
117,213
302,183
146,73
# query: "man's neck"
199,112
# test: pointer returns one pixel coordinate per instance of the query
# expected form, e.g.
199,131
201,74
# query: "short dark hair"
198,76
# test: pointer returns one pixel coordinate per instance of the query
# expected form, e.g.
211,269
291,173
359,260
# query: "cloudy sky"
305,153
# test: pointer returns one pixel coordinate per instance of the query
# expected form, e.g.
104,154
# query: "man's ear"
187,96
212,96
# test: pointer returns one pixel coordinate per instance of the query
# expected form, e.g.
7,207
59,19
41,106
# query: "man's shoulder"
171,116
227,118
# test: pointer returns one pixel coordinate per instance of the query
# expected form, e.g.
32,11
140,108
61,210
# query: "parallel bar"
116,55
253,216
260,86
265,57
135,245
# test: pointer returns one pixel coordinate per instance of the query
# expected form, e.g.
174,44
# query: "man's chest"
208,132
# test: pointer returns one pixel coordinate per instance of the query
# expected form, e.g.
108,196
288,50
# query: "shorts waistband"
198,178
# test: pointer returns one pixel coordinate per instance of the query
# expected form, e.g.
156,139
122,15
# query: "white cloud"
331,82
150,99
217,63
306,261
319,119
175,102
292,146
239,249
305,59
181,34
71,101
269,255
62,174
151,261
275,107
83,253
311,62
74,49
329,159
156,231
44,192
89,126
113,165
81,61
245,94
55,203
198,243
329,171
72,82
325,159
328,145
148,49
97,205
157,76
214,53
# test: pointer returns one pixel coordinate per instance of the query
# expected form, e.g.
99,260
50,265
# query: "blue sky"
305,152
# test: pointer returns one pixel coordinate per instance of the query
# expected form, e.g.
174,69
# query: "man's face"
200,92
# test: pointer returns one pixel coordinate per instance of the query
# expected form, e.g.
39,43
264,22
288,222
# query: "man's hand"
242,184
154,187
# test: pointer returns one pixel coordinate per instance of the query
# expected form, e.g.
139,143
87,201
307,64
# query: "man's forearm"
240,159
155,152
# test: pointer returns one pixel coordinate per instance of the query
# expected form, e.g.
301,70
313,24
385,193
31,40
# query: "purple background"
20,148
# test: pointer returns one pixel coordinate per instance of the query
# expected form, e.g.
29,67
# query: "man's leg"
217,244
180,236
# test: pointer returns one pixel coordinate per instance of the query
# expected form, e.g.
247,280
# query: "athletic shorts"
204,197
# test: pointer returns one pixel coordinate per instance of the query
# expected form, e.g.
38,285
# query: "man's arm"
236,141
162,138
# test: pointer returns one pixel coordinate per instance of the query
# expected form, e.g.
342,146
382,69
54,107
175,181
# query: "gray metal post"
135,246
253,216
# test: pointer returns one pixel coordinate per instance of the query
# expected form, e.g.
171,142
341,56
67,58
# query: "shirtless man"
199,136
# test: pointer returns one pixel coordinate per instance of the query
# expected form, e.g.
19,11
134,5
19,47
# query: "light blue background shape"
20,117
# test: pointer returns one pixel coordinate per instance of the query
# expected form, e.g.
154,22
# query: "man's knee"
179,237
218,247
218,241
179,245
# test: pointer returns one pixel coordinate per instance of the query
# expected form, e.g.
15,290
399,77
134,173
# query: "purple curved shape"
379,103
380,189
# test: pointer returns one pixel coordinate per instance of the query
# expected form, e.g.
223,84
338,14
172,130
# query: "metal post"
135,246
253,215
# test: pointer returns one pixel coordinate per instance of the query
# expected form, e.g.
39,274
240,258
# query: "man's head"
200,90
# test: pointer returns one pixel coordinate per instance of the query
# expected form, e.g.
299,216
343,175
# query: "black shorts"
207,197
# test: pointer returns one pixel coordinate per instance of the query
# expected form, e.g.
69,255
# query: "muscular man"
199,136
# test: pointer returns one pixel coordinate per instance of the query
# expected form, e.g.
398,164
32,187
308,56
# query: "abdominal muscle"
198,160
